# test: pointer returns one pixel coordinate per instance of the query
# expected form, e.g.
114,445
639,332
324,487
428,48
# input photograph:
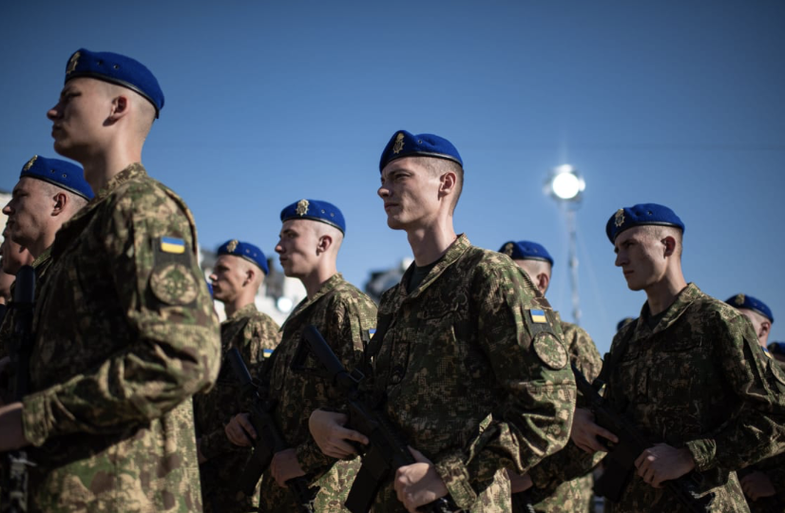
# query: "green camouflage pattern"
774,468
344,315
115,364
462,364
576,495
699,379
251,332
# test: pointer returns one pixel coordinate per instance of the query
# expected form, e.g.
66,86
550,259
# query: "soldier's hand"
285,466
663,463
11,431
585,432
519,483
327,429
239,430
757,485
419,483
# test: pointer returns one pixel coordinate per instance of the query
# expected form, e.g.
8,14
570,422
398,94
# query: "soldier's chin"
394,223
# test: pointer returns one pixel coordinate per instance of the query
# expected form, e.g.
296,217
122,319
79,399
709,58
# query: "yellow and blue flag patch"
538,316
172,245
266,353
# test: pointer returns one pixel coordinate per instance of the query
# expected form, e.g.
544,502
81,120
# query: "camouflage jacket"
697,380
125,336
475,374
255,335
551,494
774,469
345,316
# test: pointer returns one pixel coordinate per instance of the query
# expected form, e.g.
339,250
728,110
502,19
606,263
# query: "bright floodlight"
284,304
565,184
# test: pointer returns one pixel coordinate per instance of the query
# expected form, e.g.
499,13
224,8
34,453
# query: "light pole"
566,186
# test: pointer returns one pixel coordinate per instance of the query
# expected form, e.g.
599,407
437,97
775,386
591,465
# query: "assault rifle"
619,464
15,476
387,450
268,439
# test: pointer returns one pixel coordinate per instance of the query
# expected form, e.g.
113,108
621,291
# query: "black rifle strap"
372,474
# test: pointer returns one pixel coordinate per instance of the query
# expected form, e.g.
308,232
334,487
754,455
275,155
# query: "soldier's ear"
670,245
543,280
325,242
765,328
120,107
60,203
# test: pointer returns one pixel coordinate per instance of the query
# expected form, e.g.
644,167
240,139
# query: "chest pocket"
677,369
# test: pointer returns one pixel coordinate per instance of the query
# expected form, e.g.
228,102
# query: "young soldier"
552,495
688,374
125,333
237,275
311,236
467,352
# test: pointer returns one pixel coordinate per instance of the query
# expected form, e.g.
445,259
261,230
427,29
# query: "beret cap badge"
508,249
29,164
398,143
232,245
619,219
739,299
72,63
302,207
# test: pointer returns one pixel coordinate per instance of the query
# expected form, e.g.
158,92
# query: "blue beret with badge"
777,348
117,69
403,144
751,303
247,251
58,172
641,215
526,250
315,210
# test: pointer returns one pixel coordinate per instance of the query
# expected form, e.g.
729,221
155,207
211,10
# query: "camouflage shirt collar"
683,300
332,282
133,171
454,252
246,311
43,258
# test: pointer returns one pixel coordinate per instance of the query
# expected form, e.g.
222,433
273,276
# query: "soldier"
575,495
310,238
763,482
12,257
467,351
124,328
687,373
237,275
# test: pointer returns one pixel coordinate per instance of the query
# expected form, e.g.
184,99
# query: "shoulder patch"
550,350
173,284
266,353
538,316
172,245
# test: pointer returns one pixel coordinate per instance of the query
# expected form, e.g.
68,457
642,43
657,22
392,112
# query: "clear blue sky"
675,102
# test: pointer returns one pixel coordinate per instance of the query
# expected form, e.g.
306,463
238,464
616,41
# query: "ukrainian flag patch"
266,353
172,245
538,316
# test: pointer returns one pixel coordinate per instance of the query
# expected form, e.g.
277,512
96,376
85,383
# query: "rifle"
387,450
268,439
620,462
15,475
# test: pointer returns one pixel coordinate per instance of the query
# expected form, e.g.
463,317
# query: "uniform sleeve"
353,319
755,432
173,343
531,370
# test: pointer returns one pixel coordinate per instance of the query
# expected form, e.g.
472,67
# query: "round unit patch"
174,284
550,350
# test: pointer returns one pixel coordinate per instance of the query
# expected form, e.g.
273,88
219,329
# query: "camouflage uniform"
575,495
697,380
344,316
125,336
255,334
475,377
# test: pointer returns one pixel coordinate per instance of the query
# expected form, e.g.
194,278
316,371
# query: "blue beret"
640,215
315,210
117,69
777,347
245,250
624,322
526,250
58,172
404,144
750,303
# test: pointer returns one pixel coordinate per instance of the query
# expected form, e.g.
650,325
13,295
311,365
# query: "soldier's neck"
662,294
430,243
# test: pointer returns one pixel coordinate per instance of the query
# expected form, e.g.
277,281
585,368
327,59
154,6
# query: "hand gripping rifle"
15,477
387,450
620,462
268,439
